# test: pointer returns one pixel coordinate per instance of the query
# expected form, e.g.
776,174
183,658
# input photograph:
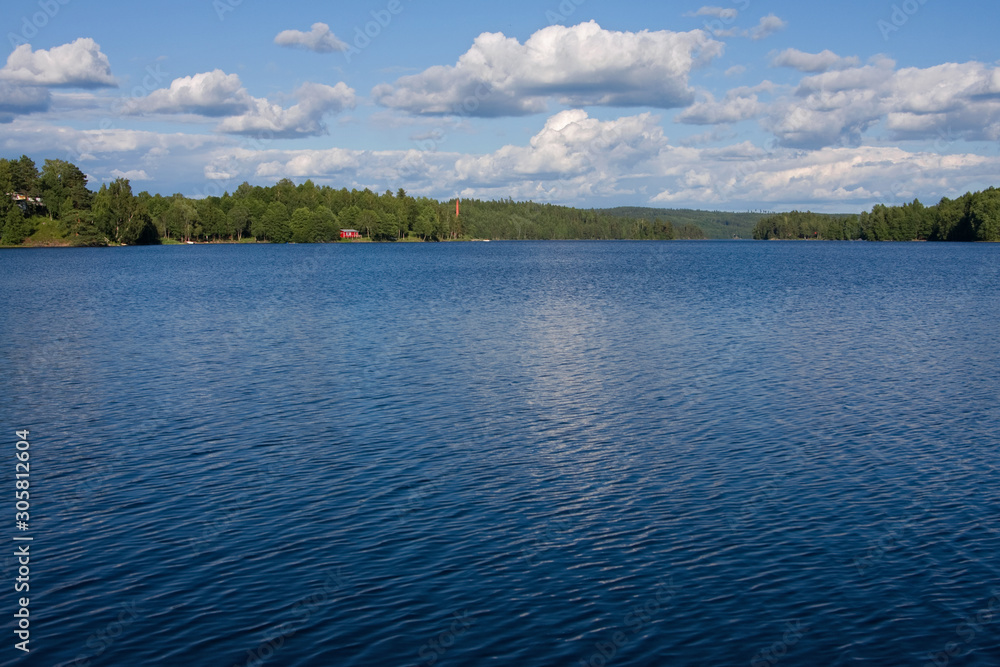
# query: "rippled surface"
508,453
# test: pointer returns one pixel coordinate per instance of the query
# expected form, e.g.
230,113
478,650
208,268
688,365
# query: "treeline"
282,213
713,224
507,219
55,205
971,217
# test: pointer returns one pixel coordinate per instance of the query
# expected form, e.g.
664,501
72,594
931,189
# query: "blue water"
714,453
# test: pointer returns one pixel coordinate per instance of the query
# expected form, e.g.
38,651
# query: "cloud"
210,94
16,100
739,104
120,147
722,17
131,174
303,119
768,25
837,178
571,144
582,65
726,13
217,94
572,152
415,170
823,61
79,64
318,40
572,158
946,102
835,108
576,158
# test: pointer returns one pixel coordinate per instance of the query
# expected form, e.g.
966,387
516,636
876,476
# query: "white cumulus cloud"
738,105
582,65
823,61
212,93
217,94
768,25
571,144
78,64
316,100
945,102
319,39
838,178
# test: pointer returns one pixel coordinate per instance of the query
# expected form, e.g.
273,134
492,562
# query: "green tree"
6,178
24,177
180,219
386,227
984,215
408,210
238,220
690,231
325,224
875,226
15,227
275,225
367,222
119,216
61,181
428,221
301,225
81,228
350,217
213,220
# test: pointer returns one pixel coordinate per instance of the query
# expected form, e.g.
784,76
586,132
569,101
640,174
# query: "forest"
975,216
54,206
713,224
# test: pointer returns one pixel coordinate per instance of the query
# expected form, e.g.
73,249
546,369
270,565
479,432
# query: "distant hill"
715,224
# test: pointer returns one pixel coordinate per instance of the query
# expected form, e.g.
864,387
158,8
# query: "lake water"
704,453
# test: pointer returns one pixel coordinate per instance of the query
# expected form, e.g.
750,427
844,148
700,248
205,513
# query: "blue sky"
733,105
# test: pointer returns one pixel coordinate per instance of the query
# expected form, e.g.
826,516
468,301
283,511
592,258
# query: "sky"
739,105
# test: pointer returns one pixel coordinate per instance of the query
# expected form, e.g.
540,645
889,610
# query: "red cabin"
349,234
